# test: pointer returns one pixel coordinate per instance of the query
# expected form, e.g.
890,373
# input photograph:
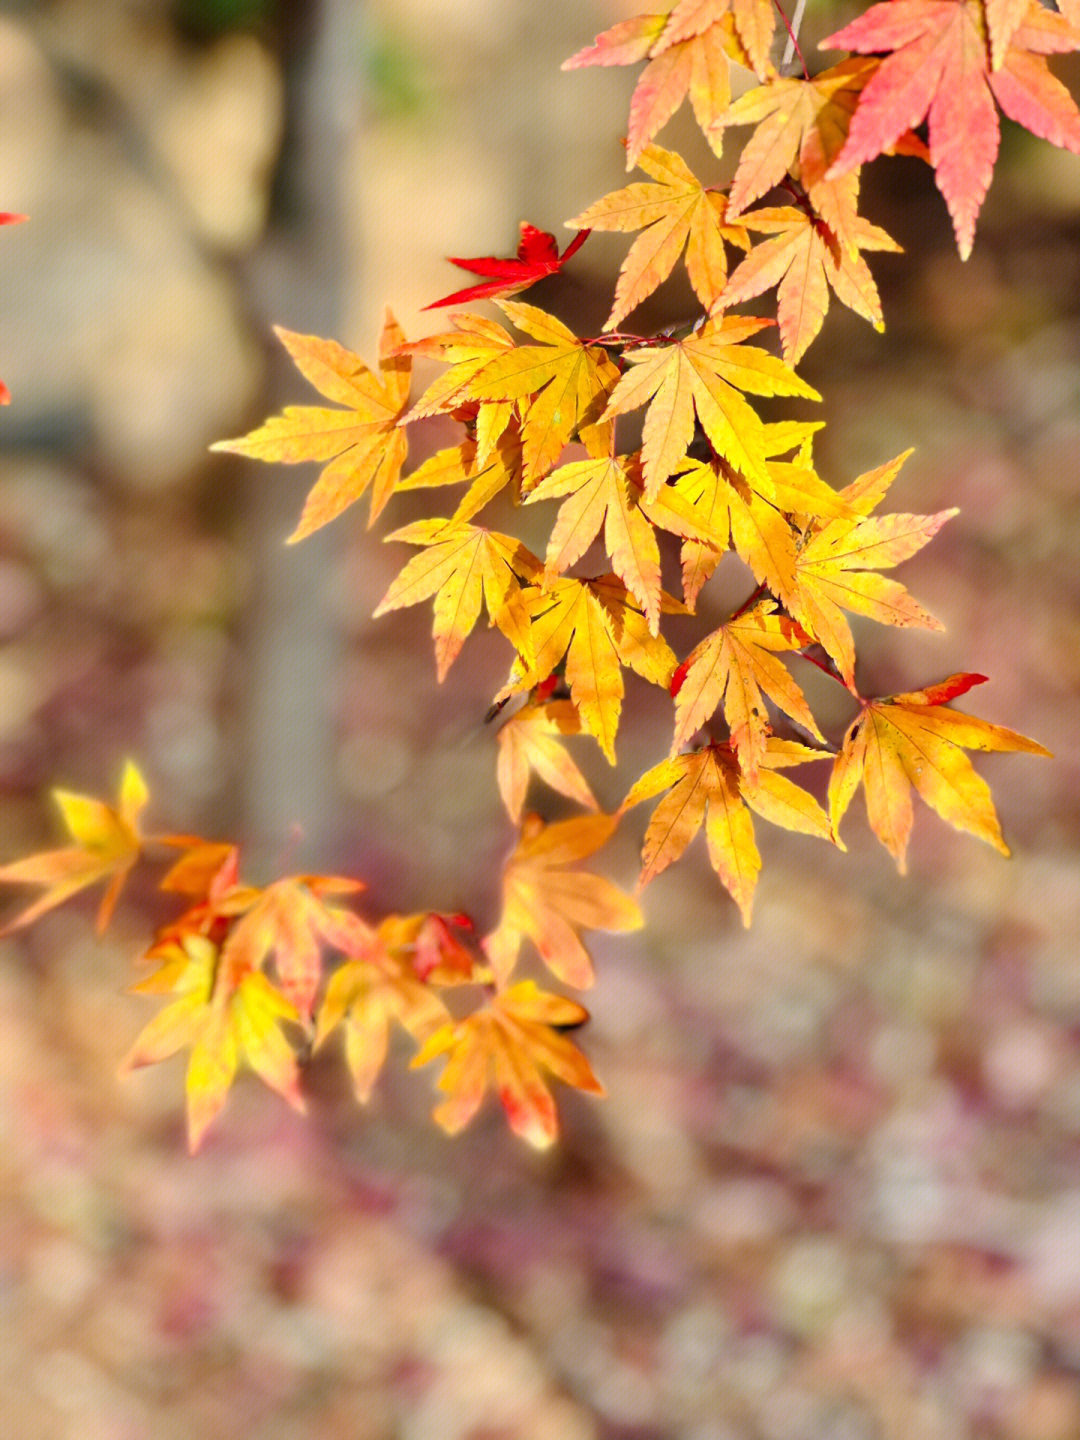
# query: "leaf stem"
751,600
792,26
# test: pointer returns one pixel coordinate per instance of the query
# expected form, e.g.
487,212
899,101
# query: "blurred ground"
834,1190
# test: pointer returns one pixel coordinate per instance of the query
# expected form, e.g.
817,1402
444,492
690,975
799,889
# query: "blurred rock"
220,131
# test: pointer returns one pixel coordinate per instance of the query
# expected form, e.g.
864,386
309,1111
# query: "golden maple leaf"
911,741
363,444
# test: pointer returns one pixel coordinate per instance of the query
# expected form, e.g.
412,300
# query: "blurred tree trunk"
292,638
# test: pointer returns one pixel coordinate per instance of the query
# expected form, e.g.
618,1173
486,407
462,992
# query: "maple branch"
622,337
827,666
751,600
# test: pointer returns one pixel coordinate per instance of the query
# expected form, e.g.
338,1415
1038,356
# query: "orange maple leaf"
510,1042
804,258
548,903
801,125
910,741
290,921
939,66
364,444
528,742
376,986
707,786
107,844
690,47
677,213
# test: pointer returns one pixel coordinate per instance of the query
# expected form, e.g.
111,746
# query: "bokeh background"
834,1190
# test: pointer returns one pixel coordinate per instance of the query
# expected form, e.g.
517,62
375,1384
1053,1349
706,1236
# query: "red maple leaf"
537,256
939,66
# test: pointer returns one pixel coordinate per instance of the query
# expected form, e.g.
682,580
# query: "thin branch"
791,49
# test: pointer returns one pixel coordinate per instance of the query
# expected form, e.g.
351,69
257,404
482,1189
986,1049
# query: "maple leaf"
837,561
486,477
225,1013
464,566
548,903
704,374
690,48
752,515
528,742
537,256
707,786
365,995
596,626
363,444
510,1042
427,941
912,740
734,666
472,344
290,921
208,868
756,528
938,66
804,258
565,382
500,469
600,493
107,844
801,125
739,514
677,213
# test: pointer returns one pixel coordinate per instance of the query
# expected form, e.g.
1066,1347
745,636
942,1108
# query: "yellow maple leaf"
363,444
911,741
837,564
600,493
225,1014
678,212
706,786
560,384
528,742
107,844
751,515
472,344
736,665
464,566
705,373
594,627
548,903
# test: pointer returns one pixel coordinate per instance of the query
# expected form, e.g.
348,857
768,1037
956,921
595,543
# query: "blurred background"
834,1190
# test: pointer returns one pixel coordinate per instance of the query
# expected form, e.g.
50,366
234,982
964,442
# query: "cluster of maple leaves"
538,409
